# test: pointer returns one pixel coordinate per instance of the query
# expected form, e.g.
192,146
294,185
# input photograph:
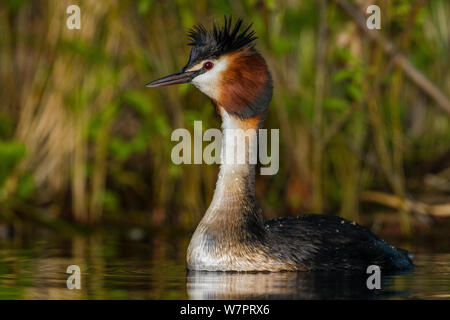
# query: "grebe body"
232,236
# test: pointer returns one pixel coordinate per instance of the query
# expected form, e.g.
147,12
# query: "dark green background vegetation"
83,141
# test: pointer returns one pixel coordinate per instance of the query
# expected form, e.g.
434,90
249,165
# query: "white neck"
236,180
233,216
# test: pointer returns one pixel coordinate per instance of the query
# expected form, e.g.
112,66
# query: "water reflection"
115,265
287,285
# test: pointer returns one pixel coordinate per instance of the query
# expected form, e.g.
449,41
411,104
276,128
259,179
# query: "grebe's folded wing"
331,242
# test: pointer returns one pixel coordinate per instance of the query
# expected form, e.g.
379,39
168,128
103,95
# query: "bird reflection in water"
287,285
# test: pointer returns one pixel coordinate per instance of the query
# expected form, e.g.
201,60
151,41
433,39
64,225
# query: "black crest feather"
221,40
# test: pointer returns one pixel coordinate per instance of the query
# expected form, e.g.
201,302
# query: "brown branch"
389,200
399,59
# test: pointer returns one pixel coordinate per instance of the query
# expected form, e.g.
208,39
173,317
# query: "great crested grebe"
232,235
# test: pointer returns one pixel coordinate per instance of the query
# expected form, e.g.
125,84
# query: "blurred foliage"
81,135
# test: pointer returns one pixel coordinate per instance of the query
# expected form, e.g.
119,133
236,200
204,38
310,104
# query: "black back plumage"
328,242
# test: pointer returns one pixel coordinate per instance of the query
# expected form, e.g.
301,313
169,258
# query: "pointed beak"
175,78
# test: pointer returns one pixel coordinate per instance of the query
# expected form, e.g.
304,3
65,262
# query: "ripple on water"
114,268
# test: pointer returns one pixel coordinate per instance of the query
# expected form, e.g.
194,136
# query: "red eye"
208,65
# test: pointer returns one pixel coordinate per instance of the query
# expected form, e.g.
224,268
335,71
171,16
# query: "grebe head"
225,66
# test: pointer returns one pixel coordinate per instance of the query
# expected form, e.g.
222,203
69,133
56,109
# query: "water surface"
138,265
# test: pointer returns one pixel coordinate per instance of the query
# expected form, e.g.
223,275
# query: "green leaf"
335,104
11,153
26,186
139,101
144,6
